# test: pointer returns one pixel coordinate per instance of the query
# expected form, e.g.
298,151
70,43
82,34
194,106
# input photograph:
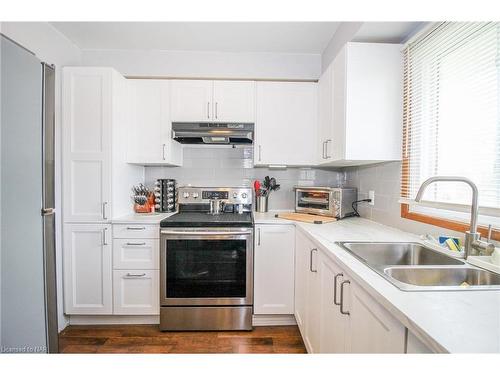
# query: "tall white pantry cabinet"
95,172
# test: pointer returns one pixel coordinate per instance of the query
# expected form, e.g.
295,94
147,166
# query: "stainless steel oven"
206,278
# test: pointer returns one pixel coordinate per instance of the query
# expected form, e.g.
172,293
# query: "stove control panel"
232,195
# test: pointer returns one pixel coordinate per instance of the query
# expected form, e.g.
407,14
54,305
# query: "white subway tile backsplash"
226,166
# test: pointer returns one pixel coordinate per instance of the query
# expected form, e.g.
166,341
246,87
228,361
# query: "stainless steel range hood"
212,133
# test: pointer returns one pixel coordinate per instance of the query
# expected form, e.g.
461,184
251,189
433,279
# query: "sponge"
453,244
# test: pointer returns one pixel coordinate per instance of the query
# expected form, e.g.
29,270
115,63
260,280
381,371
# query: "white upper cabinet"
87,124
325,115
96,121
361,97
149,139
234,101
212,101
286,124
192,101
274,269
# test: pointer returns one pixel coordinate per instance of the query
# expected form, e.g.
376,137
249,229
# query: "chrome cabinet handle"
104,216
136,228
208,110
135,274
324,145
260,152
258,237
326,149
104,239
163,151
335,288
136,243
311,260
216,109
342,297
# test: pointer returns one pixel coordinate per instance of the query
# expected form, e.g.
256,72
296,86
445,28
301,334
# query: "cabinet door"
338,132
302,248
87,269
136,292
312,339
333,323
136,254
191,100
325,118
274,269
150,140
234,101
286,123
372,329
87,116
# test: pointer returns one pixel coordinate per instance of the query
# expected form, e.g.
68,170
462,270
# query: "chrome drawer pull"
136,243
136,228
342,297
136,274
335,288
311,260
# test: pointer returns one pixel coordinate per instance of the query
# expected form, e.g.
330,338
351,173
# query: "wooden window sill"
444,223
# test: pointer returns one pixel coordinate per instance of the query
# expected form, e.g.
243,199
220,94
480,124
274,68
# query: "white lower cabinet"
372,329
274,269
87,269
135,292
302,246
138,253
307,292
136,261
334,314
333,323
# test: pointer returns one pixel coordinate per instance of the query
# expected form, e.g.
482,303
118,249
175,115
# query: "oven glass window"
313,199
206,268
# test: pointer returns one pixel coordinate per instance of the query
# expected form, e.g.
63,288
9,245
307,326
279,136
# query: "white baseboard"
257,320
113,319
273,320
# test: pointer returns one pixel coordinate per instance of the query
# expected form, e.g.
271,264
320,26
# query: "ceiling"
277,37
386,32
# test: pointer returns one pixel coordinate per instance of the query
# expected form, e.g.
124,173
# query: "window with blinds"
452,113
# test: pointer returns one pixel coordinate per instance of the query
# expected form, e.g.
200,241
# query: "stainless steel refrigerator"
28,267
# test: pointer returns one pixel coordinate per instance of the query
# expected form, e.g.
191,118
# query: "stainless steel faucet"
473,244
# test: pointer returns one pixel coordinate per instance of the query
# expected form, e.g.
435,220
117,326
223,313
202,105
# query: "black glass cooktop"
204,219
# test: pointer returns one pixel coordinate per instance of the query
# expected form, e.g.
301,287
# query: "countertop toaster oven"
327,201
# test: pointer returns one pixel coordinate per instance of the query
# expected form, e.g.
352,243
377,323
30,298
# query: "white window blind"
452,112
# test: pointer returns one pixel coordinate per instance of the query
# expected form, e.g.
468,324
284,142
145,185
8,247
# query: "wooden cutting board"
308,218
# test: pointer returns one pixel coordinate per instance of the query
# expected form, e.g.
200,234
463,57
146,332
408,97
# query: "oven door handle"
214,233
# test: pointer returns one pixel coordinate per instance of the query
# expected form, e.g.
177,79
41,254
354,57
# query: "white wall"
385,180
207,64
51,47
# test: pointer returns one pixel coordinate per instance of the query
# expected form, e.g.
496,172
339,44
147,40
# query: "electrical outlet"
371,195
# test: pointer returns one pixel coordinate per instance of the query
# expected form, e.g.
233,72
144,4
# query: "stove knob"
244,195
235,195
195,195
185,195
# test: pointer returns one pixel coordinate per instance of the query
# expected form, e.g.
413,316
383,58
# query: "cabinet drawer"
136,231
136,254
136,292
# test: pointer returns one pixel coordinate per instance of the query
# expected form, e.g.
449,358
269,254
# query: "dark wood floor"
149,339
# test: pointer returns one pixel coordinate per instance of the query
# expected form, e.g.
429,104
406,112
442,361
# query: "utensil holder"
261,203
